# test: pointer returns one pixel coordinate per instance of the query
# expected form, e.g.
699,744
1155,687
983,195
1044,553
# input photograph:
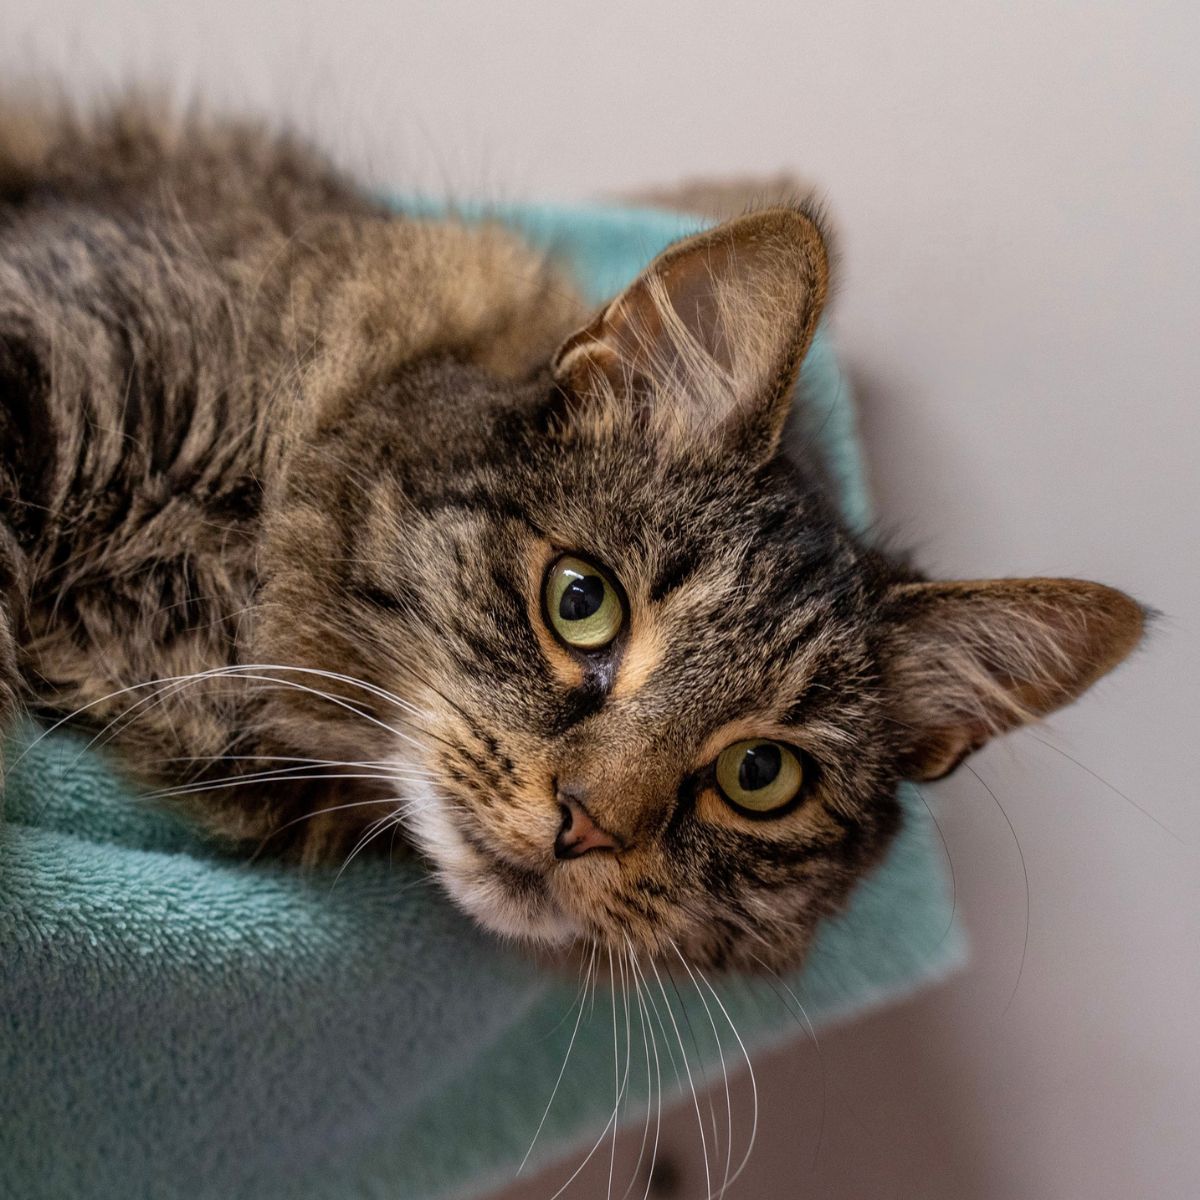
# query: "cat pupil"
581,598
759,767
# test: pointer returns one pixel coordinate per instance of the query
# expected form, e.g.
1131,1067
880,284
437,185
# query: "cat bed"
178,1024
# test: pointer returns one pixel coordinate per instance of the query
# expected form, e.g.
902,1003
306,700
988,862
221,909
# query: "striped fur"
311,461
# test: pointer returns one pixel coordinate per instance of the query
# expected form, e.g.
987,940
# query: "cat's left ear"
708,340
963,662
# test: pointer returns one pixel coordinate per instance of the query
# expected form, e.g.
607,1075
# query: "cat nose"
579,833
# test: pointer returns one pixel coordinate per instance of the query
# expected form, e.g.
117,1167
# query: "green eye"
582,604
760,776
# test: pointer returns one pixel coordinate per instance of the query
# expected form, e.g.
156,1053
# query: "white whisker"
701,1069
373,831
318,812
612,1157
172,683
724,1071
566,1057
647,1039
611,1123
749,1067
691,1083
211,785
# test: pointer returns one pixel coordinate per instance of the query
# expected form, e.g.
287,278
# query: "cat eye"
582,604
760,776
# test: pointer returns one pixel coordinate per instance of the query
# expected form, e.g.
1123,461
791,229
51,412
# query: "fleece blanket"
175,1024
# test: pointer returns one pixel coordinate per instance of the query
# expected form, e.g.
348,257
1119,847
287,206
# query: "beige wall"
1017,185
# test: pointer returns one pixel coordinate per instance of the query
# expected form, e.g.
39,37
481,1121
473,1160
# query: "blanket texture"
175,1024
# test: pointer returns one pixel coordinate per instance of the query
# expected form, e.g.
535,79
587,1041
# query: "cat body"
332,521
172,293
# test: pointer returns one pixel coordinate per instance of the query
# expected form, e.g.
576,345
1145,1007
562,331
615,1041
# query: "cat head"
644,688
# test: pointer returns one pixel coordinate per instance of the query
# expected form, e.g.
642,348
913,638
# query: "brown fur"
252,423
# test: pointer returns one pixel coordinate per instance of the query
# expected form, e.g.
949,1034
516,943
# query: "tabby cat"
335,521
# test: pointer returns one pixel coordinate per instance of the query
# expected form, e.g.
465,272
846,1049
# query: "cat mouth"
511,898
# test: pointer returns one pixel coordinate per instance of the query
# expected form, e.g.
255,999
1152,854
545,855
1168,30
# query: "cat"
332,520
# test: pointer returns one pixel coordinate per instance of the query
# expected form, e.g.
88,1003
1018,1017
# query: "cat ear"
966,661
709,338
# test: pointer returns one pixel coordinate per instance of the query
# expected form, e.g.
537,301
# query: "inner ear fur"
708,340
966,661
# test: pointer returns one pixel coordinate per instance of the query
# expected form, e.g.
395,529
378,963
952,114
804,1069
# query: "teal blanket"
174,1024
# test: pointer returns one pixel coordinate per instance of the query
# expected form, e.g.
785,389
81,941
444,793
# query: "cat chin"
480,885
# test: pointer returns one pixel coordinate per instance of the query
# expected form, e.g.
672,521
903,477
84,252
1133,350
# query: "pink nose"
579,833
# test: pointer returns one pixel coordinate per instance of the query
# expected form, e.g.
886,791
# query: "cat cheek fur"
502,898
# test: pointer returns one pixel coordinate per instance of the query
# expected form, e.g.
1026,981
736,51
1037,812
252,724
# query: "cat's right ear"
706,343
